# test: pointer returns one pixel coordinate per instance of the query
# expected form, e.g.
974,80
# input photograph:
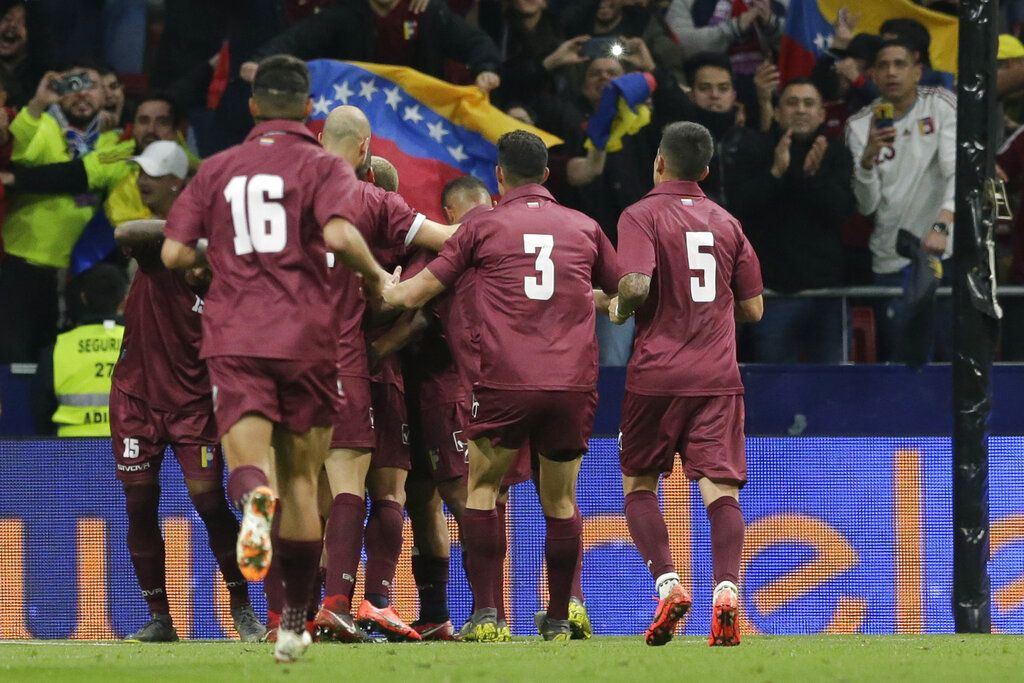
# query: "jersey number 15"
261,225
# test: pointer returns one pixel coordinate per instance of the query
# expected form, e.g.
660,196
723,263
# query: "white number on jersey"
540,288
702,292
260,224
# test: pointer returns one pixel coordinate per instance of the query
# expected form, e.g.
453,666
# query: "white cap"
163,157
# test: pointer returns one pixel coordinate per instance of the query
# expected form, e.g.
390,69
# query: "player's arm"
414,292
345,240
633,291
432,235
750,310
601,301
176,255
139,232
406,329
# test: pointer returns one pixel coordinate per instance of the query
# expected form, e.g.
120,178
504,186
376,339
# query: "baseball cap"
163,157
862,46
1009,47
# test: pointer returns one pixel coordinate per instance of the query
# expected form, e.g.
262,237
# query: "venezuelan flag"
809,30
432,131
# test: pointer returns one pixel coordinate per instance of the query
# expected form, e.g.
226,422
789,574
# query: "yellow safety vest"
83,361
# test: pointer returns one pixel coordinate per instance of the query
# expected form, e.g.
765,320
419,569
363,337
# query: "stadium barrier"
844,535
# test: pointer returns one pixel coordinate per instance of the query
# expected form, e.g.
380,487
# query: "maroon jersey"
262,205
383,218
700,264
159,361
536,262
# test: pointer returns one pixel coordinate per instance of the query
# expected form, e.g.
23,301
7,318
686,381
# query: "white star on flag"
322,105
367,89
413,114
392,97
437,130
822,41
457,153
342,92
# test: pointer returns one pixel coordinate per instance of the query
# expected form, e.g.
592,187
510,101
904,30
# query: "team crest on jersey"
266,141
405,435
686,201
409,29
926,125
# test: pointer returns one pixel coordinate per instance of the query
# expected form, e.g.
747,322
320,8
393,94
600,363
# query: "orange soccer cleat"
670,610
725,630
432,631
387,620
253,548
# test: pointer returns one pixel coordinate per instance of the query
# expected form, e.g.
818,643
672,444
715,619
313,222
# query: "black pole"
976,312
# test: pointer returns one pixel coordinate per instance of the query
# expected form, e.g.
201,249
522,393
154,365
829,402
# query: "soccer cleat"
253,548
725,605
504,633
387,620
579,620
339,627
482,626
270,636
290,645
248,625
552,629
431,631
670,610
158,629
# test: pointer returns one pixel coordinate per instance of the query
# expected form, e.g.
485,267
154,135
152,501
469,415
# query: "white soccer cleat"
290,645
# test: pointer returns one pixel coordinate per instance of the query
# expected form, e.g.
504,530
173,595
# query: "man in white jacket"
904,173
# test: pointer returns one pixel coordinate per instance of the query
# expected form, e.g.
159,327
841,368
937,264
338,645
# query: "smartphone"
884,114
595,48
75,82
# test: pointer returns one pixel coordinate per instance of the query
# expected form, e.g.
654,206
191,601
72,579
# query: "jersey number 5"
260,224
701,292
542,287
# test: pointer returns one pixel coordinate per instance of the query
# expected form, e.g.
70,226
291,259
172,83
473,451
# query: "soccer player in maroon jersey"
271,208
689,274
160,396
536,262
369,450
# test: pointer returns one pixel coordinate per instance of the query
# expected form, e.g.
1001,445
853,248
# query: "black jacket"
794,221
346,31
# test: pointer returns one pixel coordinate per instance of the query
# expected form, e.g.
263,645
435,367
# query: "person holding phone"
904,150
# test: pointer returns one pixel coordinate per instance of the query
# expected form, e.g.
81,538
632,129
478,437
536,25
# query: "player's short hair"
523,157
465,183
99,290
915,54
706,59
281,87
687,148
385,175
800,81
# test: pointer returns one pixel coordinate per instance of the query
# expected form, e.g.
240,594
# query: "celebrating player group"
295,315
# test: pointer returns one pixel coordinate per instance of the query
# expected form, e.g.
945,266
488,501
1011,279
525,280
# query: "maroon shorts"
140,435
444,443
353,420
554,423
706,431
391,426
298,395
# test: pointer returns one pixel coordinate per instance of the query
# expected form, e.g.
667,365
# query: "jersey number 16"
260,224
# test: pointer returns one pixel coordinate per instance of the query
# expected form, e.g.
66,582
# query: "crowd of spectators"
832,190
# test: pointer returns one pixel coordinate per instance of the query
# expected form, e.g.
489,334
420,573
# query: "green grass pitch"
762,658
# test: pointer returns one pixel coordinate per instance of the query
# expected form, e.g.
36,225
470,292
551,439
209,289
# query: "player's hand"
418,6
878,139
636,52
566,54
613,312
248,71
782,155
812,162
935,242
45,95
487,81
389,283
766,80
845,27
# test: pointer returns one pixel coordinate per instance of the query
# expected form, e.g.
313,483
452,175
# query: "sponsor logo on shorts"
341,389
141,467
435,458
371,418
213,390
197,307
405,434
620,441
475,407
460,445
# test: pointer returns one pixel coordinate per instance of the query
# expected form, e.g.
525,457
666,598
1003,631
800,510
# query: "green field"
761,658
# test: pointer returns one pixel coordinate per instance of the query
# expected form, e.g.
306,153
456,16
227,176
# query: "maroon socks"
344,541
383,546
562,547
146,544
650,535
300,566
577,577
431,575
481,535
222,529
499,575
244,479
726,538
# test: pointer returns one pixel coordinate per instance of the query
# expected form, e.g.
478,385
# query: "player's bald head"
347,134
385,175
280,89
461,195
686,148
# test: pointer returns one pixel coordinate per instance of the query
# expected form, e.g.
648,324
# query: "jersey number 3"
540,287
260,223
702,292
